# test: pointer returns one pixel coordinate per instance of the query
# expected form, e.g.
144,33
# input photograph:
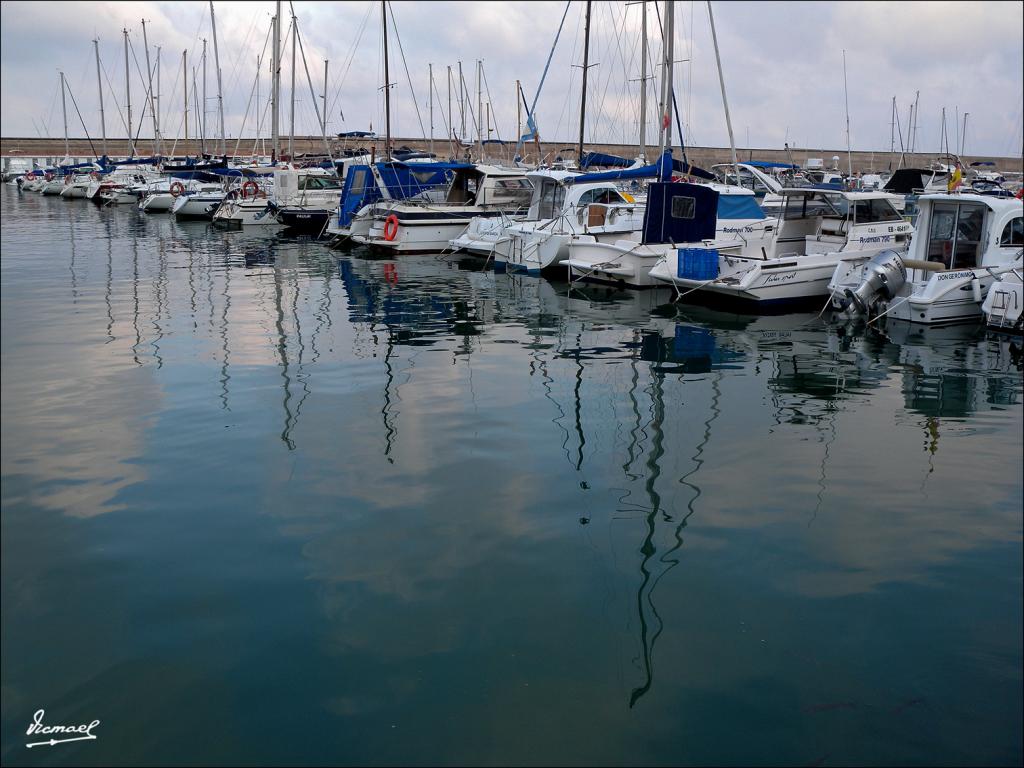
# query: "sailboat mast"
963,135
149,80
430,90
220,92
64,110
519,113
99,83
204,97
451,125
184,90
846,97
725,101
479,107
643,79
583,97
387,82
275,86
462,105
323,127
128,92
291,130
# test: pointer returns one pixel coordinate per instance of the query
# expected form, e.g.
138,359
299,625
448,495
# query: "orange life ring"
390,227
250,187
177,189
1020,194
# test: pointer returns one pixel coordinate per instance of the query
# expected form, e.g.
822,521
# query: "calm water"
265,503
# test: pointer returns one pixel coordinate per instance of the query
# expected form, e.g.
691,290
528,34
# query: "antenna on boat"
846,98
184,81
99,83
963,135
725,101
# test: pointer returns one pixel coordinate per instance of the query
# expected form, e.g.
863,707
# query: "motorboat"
966,244
791,260
403,226
559,209
627,261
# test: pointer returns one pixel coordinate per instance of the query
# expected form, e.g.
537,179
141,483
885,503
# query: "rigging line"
312,93
49,117
114,97
618,26
412,91
343,73
491,102
572,76
235,75
75,103
252,92
444,115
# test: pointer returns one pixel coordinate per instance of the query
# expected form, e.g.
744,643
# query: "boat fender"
177,189
976,289
390,227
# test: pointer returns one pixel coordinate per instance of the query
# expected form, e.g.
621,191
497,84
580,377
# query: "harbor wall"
863,161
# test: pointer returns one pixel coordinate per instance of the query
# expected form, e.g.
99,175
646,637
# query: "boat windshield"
809,205
874,210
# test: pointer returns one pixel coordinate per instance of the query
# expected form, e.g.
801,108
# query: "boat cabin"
969,231
555,194
489,185
822,221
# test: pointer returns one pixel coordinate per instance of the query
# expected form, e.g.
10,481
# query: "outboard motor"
884,275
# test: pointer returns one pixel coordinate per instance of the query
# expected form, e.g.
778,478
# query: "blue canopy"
982,162
739,207
357,135
680,213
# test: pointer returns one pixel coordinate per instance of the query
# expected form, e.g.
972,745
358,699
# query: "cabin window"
874,210
552,198
684,207
1013,233
811,206
955,233
358,181
599,196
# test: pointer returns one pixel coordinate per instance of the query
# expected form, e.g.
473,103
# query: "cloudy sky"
783,66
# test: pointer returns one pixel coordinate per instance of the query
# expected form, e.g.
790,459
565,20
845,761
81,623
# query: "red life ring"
250,189
68,178
1020,194
177,189
390,227
48,176
95,175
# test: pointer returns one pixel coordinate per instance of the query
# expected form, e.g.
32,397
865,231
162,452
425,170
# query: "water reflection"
456,481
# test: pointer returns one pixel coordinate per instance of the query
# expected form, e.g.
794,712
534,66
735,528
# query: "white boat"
627,261
76,187
1003,307
559,209
159,196
402,226
792,260
198,205
965,245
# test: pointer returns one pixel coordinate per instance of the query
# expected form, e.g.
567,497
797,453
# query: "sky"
783,66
